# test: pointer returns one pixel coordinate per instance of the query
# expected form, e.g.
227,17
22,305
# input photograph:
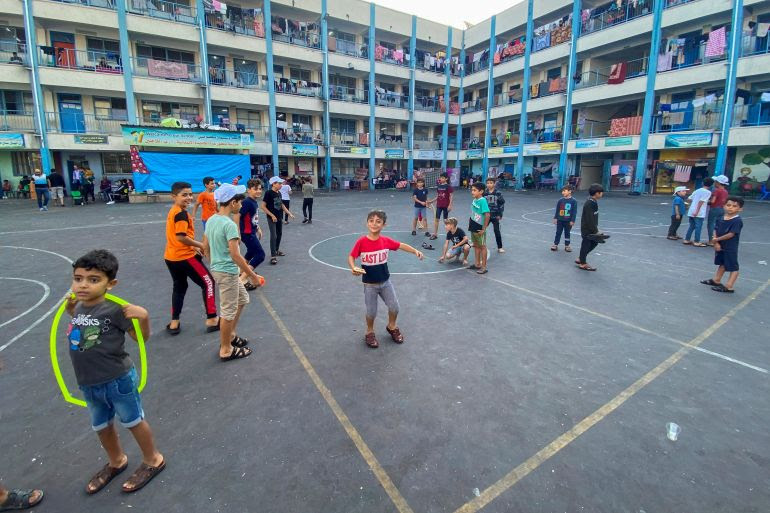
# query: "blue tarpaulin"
167,168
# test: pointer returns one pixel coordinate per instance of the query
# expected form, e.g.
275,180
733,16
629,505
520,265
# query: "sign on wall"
688,140
430,154
90,139
394,154
186,138
587,143
10,141
618,141
304,150
542,149
474,154
503,150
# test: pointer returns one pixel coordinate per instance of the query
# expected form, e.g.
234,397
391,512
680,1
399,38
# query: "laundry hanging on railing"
618,73
682,173
717,43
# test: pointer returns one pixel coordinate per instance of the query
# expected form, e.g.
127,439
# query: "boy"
444,199
456,236
725,241
104,371
221,244
420,197
697,213
275,208
251,233
183,259
564,218
307,201
286,199
716,204
496,203
478,227
678,210
589,226
206,201
373,249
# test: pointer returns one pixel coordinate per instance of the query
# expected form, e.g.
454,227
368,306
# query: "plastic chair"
77,198
764,193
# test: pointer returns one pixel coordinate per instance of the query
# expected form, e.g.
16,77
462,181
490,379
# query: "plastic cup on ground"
672,431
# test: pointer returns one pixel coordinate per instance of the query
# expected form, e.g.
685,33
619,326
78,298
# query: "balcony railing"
753,45
308,39
614,17
12,52
590,130
674,3
346,94
239,79
288,135
509,98
474,105
601,76
295,87
166,70
391,99
756,114
103,4
392,141
426,144
349,139
382,54
344,47
682,121
427,103
261,133
163,10
13,121
247,25
79,123
97,61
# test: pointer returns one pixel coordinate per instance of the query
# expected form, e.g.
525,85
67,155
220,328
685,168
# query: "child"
496,203
183,259
716,204
564,217
307,200
478,227
273,206
206,201
104,371
251,233
725,241
443,200
589,226
373,249
420,197
221,244
456,236
286,199
678,210
697,212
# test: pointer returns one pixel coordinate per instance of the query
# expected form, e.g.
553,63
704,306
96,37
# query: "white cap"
680,189
275,179
227,191
722,179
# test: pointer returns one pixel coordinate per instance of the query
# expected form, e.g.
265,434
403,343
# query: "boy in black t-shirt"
725,241
589,226
420,197
104,371
274,208
248,224
456,242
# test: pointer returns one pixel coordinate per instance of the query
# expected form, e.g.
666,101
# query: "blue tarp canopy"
167,168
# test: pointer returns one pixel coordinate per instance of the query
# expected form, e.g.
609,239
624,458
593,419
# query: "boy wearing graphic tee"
478,227
420,197
444,197
564,218
373,250
456,242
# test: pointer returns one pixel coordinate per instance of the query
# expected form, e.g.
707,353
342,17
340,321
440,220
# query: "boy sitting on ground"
456,243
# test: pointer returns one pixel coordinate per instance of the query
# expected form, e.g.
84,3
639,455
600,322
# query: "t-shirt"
208,203
719,196
374,257
307,190
678,207
219,231
96,335
566,210
249,216
41,182
178,222
725,226
443,193
422,195
273,202
479,207
496,202
285,192
56,180
589,219
696,197
455,237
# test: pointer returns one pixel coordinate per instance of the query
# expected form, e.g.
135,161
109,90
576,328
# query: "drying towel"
617,73
765,97
716,43
682,173
762,29
664,61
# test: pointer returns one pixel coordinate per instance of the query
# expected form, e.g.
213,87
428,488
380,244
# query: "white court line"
609,230
46,293
105,225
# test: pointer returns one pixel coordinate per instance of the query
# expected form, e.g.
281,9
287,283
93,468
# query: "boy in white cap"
222,246
678,211
716,205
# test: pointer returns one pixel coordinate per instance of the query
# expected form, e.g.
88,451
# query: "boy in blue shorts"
725,241
420,197
104,371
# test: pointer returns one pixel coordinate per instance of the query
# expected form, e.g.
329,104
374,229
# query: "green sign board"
186,138
11,141
618,141
394,154
90,139
304,150
688,140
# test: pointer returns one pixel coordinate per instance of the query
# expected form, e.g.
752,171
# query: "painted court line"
46,293
587,423
355,436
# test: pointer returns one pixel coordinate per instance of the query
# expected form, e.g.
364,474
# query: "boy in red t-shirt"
373,249
444,198
206,200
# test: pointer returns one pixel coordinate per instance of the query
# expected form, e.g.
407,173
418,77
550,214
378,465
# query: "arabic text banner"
186,138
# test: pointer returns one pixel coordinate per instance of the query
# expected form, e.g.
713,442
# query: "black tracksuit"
589,225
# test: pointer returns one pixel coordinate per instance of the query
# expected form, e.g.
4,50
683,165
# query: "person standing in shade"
57,187
564,218
716,205
274,208
41,189
307,201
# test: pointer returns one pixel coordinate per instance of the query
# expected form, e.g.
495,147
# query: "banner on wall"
688,140
186,138
474,154
503,150
167,69
163,169
542,149
587,143
304,150
354,150
618,141
90,139
454,176
303,167
394,154
11,141
430,155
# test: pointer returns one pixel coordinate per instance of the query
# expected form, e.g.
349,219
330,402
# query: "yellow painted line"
544,454
343,419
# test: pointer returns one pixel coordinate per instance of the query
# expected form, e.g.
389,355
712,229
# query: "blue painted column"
490,96
524,99
205,82
649,97
460,100
325,79
271,84
37,90
412,65
567,128
372,135
445,128
125,59
730,87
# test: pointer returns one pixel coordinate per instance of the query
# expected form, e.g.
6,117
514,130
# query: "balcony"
590,130
293,32
427,103
349,139
391,141
12,52
237,79
509,98
477,105
606,19
753,45
297,87
684,120
79,123
166,70
347,94
300,136
164,10
756,114
249,23
102,4
395,57
343,47
13,121
383,98
548,88
427,144
79,60
615,74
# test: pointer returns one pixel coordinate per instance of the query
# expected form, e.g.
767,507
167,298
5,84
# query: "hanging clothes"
716,44
534,90
664,61
762,29
682,173
618,73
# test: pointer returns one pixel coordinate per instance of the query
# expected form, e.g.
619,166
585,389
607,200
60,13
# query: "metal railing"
239,79
12,52
289,135
755,114
349,139
103,4
544,89
614,17
426,103
689,120
475,105
154,120
392,141
391,99
13,120
261,133
288,86
674,3
88,60
347,94
509,98
164,10
299,38
590,130
475,67
601,76
387,59
79,123
344,47
166,70
426,144
217,21
473,143
753,45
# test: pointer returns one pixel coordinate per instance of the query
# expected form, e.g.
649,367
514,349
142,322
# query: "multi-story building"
348,89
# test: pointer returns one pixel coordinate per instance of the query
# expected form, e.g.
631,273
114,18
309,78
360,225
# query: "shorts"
120,396
232,294
419,212
384,290
729,259
439,210
452,252
479,239
57,193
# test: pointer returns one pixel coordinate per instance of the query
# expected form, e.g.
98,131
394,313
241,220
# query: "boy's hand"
134,312
291,215
717,246
554,220
71,302
357,271
275,219
678,218
571,224
259,233
441,260
419,254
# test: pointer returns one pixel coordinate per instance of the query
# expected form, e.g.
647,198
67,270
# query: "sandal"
237,354
215,327
474,267
103,477
273,261
250,286
700,245
671,237
239,342
711,282
586,267
173,331
722,288
433,237
371,340
280,253
568,249
554,248
687,242
395,334
425,245
142,476
19,499
482,271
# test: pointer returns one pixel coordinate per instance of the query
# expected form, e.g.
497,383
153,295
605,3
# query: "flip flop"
586,267
103,477
722,288
568,249
273,261
554,248
482,271
143,475
711,282
425,245
237,354
173,331
19,499
700,245
212,329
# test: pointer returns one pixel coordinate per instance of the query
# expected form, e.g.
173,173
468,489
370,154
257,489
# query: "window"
283,165
554,73
513,126
498,89
299,74
343,36
550,120
219,113
481,94
103,48
388,128
12,39
249,118
421,133
387,87
342,126
301,122
155,111
216,61
278,69
116,163
164,54
16,102
389,46
25,162
349,83
110,108
419,92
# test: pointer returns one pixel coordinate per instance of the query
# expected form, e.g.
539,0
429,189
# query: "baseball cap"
680,189
275,179
722,179
227,191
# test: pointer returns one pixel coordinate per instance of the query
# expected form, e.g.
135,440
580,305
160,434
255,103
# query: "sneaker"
309,221
304,221
427,234
45,209
414,233
500,250
41,209
110,202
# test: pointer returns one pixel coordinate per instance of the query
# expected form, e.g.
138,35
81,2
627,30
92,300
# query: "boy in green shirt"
221,244
478,227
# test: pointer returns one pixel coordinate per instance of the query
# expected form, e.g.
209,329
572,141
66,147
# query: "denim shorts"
120,396
419,212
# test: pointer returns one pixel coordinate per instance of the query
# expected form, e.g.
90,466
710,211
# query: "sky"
450,12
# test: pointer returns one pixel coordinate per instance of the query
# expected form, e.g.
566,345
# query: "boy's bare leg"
235,321
731,280
483,257
392,316
477,256
143,435
414,224
466,252
225,337
210,322
718,275
435,226
111,443
369,325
